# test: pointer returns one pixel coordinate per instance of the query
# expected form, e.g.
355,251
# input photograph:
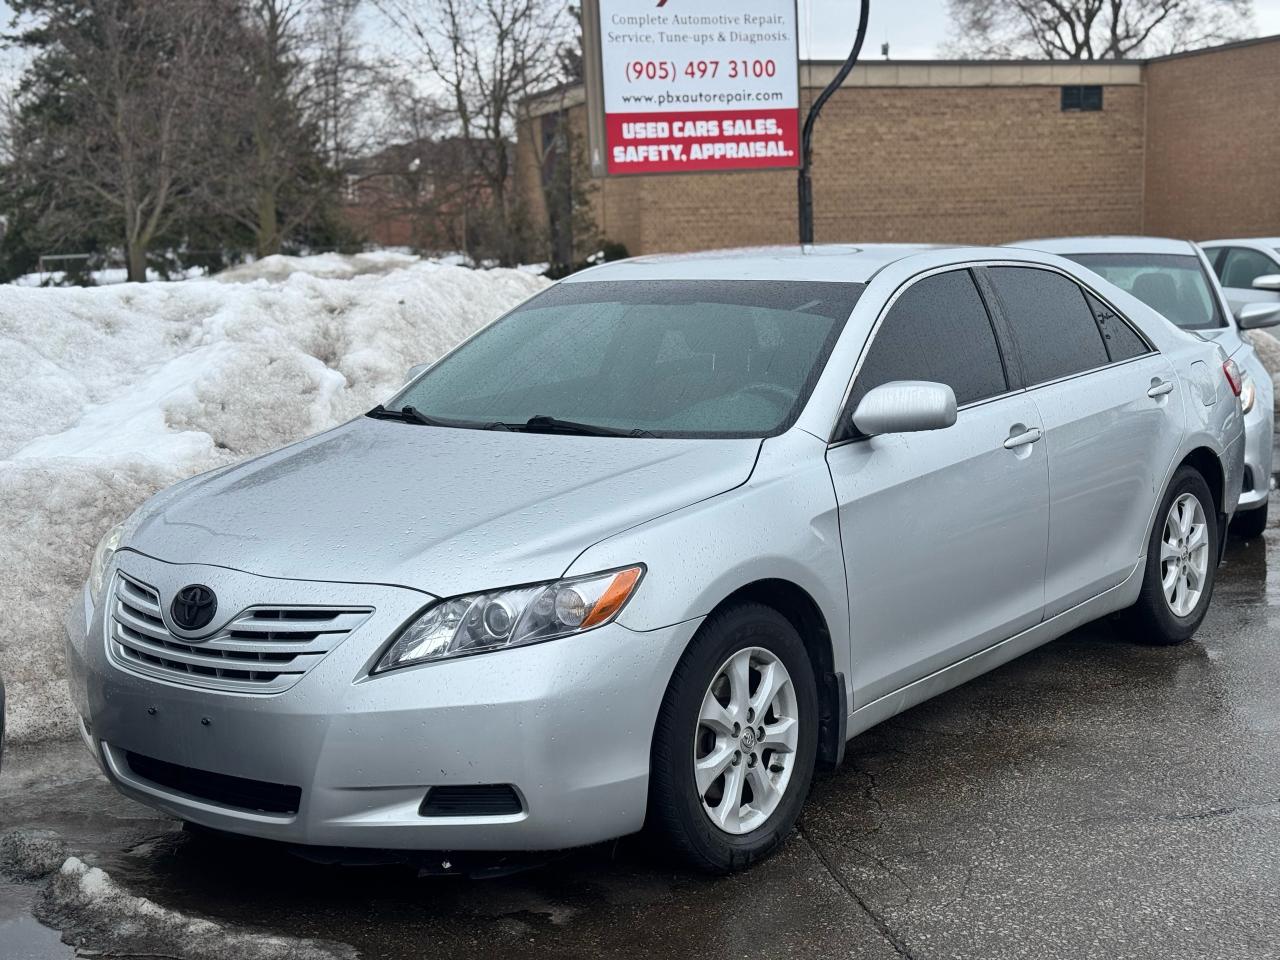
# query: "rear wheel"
1182,560
736,739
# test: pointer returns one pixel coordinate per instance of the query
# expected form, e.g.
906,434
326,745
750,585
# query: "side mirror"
416,369
1268,281
905,406
1254,316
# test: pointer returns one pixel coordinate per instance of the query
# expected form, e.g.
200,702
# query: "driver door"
945,532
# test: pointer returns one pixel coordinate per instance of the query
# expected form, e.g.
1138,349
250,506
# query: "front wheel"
1182,560
736,740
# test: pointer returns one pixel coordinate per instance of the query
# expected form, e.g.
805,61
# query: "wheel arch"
802,611
1209,466
1207,462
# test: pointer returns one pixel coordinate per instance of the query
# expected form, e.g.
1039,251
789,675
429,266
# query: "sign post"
692,85
804,183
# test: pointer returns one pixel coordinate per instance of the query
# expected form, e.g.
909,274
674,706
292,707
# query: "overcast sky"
913,28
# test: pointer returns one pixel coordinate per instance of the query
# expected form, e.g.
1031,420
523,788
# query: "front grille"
480,800
229,791
261,650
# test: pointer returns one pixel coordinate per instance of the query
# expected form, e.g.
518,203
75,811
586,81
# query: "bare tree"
346,80
108,118
488,56
1092,29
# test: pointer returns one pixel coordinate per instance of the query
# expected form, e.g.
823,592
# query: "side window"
1121,340
1241,266
937,330
1056,333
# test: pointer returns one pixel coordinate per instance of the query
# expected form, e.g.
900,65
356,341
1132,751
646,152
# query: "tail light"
1232,373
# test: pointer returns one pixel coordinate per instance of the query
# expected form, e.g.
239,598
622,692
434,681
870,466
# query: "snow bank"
109,394
98,916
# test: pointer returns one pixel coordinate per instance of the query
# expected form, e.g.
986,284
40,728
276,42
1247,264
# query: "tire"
1156,618
1250,524
759,638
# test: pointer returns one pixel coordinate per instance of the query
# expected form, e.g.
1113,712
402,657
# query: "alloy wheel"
745,743
1184,554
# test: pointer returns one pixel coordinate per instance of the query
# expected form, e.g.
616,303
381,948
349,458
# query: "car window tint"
1242,266
1121,340
937,330
1216,256
1056,333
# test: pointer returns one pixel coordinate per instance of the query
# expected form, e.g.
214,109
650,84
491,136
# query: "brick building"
978,152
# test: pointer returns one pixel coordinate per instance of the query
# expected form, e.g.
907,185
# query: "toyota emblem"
193,607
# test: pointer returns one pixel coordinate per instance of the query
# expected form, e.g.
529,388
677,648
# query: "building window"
1081,98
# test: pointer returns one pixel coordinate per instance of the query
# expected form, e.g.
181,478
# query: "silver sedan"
652,547
1174,278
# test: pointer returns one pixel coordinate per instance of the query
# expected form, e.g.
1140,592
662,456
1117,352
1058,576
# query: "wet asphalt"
1094,798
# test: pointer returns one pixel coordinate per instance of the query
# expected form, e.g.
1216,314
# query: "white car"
1249,270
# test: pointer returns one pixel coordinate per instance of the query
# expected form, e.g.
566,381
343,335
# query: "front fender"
781,524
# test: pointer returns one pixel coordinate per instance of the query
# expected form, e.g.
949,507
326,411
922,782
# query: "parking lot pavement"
1092,799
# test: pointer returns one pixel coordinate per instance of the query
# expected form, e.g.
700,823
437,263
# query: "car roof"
1079,245
1259,241
830,262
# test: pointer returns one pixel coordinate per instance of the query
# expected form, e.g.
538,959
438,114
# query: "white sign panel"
699,85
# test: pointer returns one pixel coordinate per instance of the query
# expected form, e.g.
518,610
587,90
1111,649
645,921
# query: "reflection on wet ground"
1092,799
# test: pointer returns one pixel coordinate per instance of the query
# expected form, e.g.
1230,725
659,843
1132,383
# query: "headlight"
1248,392
102,559
480,622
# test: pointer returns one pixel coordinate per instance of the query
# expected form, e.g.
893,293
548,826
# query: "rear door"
944,532
1112,422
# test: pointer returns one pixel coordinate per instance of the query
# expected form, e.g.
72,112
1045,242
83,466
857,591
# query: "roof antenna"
805,183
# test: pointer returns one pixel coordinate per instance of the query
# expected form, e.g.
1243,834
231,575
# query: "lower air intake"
485,800
257,795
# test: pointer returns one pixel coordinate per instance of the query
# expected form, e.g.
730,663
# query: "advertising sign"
692,85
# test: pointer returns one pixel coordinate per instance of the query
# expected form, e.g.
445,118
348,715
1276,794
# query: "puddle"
22,936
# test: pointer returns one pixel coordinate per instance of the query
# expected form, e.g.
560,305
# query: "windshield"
1170,283
665,358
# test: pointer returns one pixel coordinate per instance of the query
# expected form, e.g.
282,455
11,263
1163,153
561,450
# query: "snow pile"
97,915
110,394
31,854
331,266
1268,350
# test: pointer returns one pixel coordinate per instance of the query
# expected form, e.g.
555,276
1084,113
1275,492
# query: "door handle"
1022,439
1159,388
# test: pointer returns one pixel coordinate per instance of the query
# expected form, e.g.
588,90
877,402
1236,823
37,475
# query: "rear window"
1169,283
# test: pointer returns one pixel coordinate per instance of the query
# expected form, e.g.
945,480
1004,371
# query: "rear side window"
1056,333
1121,341
937,330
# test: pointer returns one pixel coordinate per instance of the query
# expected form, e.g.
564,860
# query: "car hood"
441,510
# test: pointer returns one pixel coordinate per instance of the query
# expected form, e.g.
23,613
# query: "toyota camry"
649,549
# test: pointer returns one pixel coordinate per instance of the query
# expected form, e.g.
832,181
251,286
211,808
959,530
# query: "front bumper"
567,723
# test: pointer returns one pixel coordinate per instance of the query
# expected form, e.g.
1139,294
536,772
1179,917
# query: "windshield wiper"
544,424
539,424
409,414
